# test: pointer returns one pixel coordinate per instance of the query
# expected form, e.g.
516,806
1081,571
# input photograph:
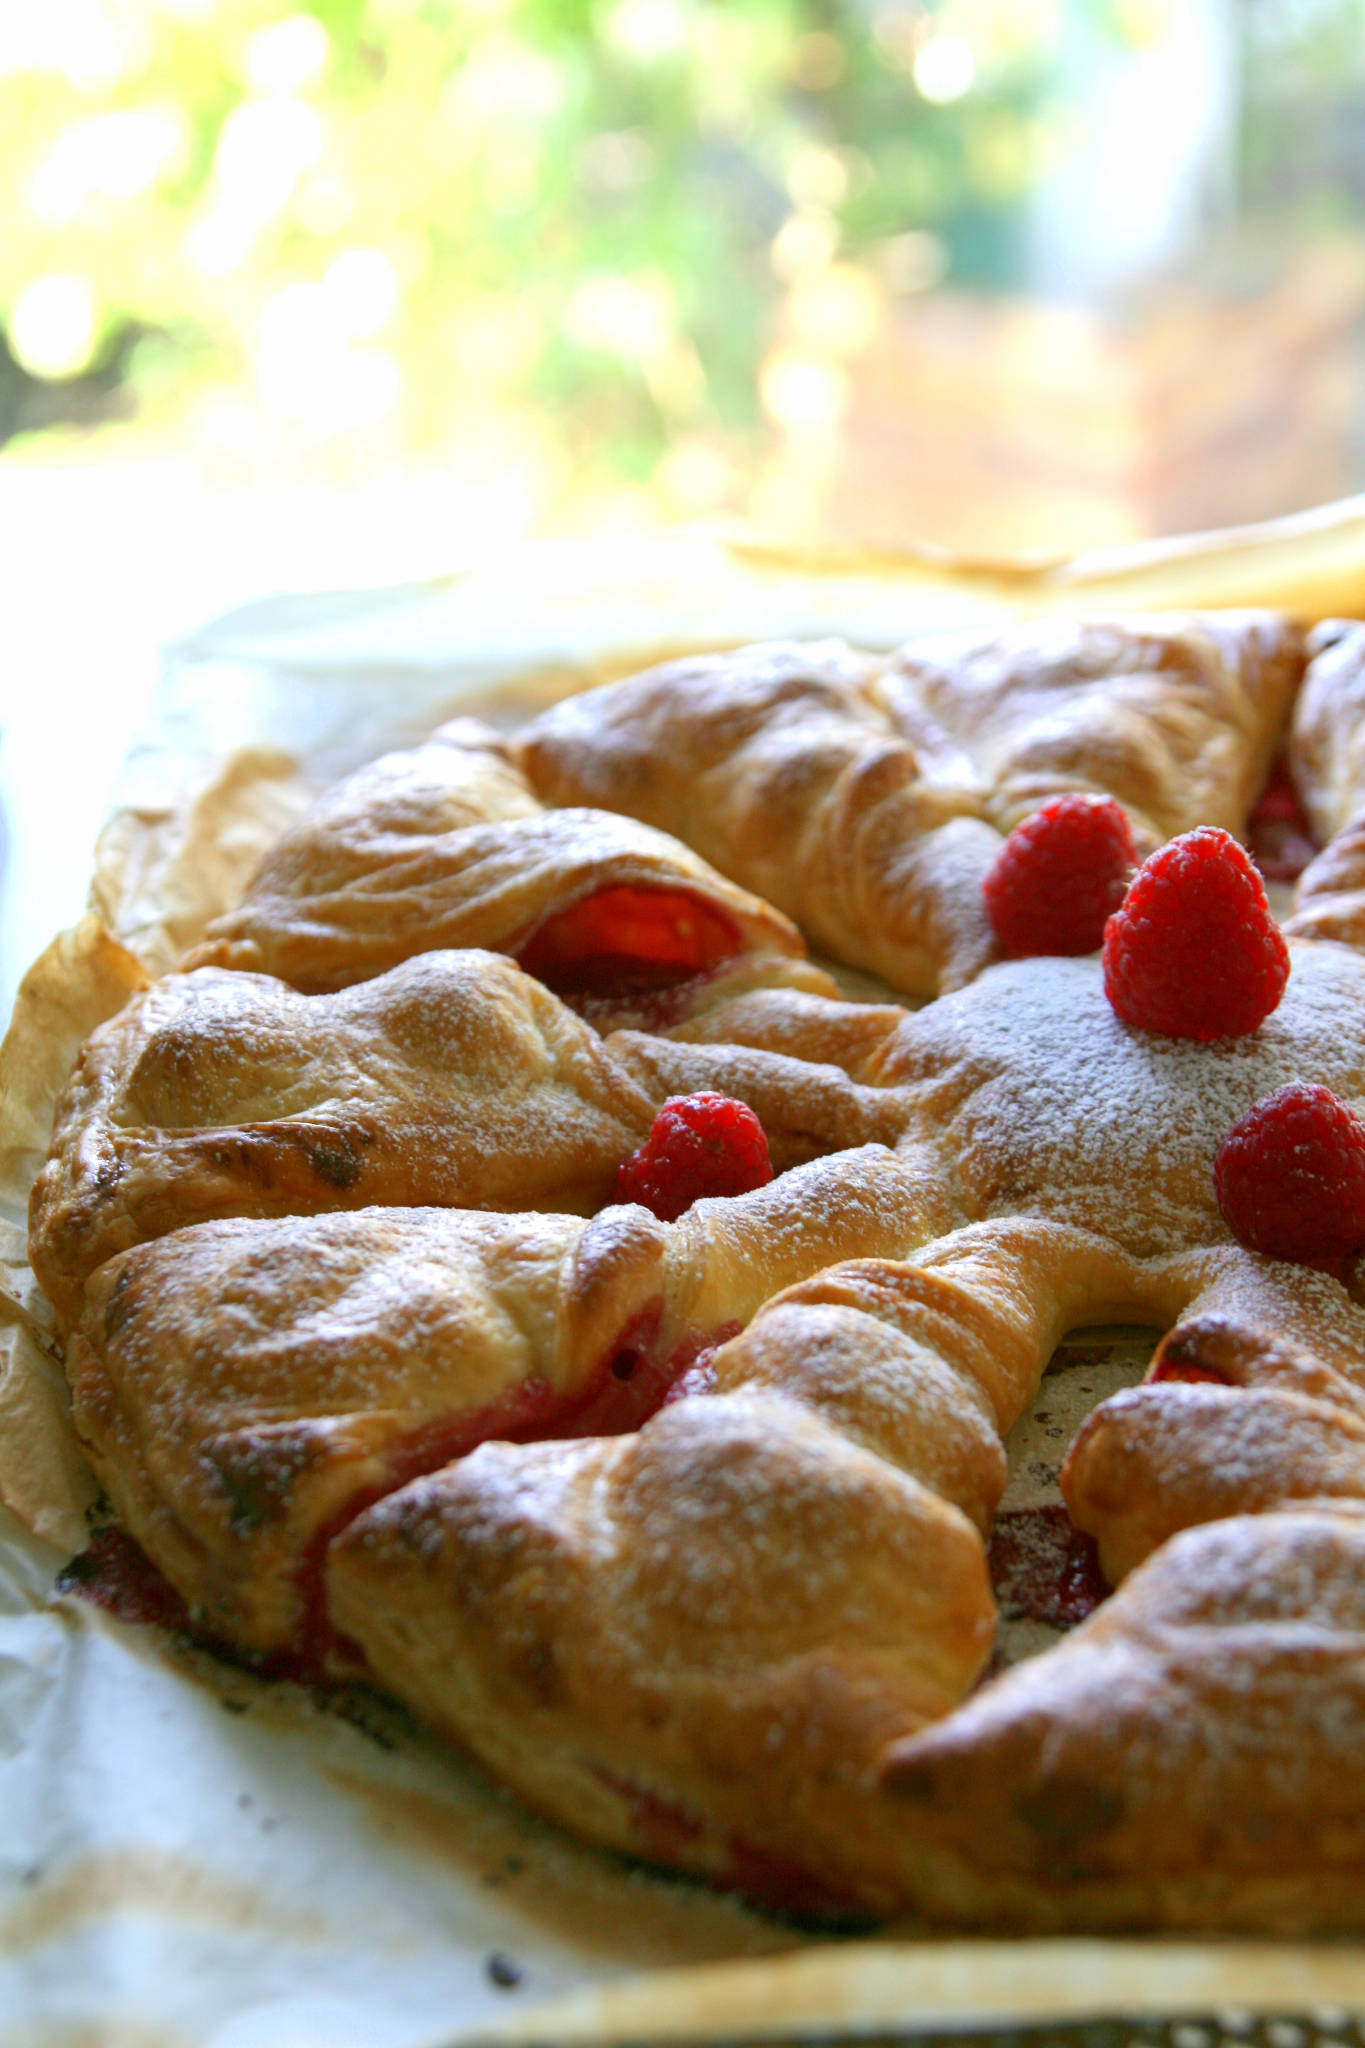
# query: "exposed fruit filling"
631,1383
662,1826
1278,831
629,941
1043,1569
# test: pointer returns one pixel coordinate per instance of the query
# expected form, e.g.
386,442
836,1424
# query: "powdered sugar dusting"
1049,1105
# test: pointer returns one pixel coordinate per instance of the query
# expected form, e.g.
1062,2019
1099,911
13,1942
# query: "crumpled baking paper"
190,1858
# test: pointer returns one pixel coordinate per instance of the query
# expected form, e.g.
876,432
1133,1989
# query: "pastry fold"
1160,1766
445,845
1255,1400
243,1388
455,1079
868,799
1176,716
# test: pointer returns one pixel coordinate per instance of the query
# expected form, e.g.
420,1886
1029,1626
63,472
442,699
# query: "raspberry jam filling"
630,1385
1185,1371
1043,1569
664,1829
1278,832
629,945
112,1573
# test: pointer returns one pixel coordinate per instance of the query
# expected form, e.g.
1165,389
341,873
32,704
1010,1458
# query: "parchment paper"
189,1856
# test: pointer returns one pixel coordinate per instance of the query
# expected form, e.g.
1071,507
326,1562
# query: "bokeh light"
52,326
692,258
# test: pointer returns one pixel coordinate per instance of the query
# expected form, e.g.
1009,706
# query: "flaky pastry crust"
868,799
682,1528
445,845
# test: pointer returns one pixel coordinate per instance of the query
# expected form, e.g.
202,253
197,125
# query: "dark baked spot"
339,1163
536,1667
915,1781
119,1305
1067,1811
257,1473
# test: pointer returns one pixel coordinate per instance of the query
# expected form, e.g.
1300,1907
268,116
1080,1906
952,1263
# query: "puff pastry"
445,845
681,1528
1327,759
868,799
455,1079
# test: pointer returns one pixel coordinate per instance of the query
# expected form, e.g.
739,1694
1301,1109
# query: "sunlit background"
311,295
994,273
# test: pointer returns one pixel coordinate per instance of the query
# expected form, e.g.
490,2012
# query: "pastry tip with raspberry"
1290,1177
1193,950
1059,876
704,1144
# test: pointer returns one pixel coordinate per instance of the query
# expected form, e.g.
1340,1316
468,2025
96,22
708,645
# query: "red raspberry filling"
1278,831
627,939
1059,876
1193,951
1290,1177
704,1144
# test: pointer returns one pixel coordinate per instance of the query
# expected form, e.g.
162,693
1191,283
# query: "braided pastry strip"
455,1079
1187,1758
445,845
1327,761
868,802
241,1387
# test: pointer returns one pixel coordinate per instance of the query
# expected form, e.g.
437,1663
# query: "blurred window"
994,273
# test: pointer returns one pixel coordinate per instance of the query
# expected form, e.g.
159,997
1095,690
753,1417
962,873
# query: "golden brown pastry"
1176,717
1256,1399
709,1641
455,1079
445,845
868,800
1189,1758
1327,762
243,1388
680,1528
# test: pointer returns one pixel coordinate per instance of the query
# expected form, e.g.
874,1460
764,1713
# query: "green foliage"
565,210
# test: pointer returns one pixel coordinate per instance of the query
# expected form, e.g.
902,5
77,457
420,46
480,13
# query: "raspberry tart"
431,1312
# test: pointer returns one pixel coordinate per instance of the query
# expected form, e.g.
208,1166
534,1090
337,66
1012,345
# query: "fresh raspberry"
1193,951
699,1145
1290,1176
1059,875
